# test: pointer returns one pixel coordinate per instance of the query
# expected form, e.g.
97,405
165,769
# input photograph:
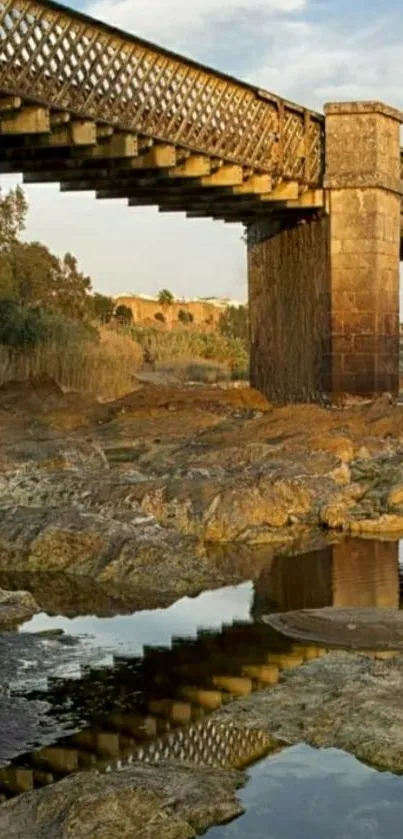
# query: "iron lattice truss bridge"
97,109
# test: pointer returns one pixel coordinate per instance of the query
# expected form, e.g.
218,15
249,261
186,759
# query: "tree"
165,297
124,315
13,213
101,307
233,323
74,287
36,277
185,317
160,317
13,210
35,272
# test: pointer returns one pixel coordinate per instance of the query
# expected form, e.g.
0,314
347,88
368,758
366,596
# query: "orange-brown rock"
115,490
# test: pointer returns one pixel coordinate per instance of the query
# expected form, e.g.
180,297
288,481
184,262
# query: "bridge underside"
48,146
323,287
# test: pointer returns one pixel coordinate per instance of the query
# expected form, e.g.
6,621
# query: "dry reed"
104,368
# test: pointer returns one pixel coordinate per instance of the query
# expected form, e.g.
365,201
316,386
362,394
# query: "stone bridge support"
324,287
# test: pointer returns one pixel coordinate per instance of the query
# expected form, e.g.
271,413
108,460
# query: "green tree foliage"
73,289
30,274
25,326
124,315
21,326
13,210
36,277
234,323
165,297
101,307
185,317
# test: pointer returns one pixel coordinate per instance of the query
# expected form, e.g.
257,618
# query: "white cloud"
317,62
159,19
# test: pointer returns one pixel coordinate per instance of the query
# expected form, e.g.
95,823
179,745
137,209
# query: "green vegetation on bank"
51,322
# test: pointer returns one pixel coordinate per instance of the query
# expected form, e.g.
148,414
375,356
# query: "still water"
334,796
158,674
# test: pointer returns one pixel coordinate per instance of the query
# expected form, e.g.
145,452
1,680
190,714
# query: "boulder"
167,801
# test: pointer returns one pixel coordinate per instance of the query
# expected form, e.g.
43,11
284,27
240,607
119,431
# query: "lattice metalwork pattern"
206,743
68,61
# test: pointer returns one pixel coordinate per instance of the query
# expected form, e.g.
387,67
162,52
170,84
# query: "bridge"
93,108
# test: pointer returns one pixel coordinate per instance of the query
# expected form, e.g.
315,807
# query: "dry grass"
187,345
104,368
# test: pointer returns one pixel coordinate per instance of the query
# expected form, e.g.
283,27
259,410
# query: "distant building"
205,311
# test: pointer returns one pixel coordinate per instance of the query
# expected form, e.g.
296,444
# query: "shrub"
21,326
165,297
185,317
101,307
233,323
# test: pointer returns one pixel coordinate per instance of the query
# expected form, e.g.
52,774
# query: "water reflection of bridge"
353,572
157,705
145,708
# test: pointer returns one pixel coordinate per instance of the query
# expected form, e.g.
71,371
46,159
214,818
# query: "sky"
310,51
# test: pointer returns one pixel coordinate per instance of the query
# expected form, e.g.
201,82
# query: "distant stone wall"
289,301
205,315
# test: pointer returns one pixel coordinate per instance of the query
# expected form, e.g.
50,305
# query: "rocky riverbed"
169,491
156,480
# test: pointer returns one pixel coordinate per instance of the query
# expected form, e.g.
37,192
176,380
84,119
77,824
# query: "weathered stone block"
363,175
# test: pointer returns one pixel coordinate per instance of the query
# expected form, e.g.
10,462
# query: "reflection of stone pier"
366,573
353,572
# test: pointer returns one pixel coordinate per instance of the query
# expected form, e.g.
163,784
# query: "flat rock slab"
355,629
168,801
344,700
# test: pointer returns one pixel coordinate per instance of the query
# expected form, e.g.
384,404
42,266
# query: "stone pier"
324,286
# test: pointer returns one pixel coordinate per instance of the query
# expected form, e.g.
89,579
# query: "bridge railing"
63,59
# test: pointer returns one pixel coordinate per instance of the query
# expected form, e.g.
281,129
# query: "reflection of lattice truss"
70,83
207,743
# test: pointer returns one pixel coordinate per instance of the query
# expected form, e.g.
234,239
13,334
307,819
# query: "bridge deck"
96,108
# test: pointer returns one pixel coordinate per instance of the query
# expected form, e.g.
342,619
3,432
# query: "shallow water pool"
150,680
303,793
